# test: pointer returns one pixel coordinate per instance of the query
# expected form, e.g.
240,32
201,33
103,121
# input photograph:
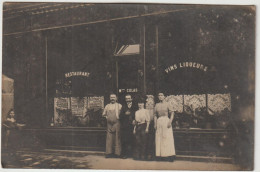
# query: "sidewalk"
77,160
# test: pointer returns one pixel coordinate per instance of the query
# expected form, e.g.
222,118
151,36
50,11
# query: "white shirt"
116,106
129,105
142,116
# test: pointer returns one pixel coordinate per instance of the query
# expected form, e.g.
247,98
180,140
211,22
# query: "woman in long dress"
164,141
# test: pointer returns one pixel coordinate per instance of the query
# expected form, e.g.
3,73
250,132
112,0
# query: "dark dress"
150,151
126,120
141,118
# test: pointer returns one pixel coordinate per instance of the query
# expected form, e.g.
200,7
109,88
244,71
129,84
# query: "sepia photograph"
130,86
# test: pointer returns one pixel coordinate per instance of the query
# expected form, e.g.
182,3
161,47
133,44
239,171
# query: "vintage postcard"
128,86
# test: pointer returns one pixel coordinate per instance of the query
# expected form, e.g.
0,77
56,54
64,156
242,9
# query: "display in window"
96,102
219,102
176,101
195,101
79,111
78,106
61,111
150,102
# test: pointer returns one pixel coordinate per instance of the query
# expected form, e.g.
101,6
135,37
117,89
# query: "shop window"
219,102
206,111
79,111
176,102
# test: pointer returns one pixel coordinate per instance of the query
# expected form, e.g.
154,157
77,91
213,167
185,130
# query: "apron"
113,144
164,141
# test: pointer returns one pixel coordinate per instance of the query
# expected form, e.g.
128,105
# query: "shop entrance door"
128,76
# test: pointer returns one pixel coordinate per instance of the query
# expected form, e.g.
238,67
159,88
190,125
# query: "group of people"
132,131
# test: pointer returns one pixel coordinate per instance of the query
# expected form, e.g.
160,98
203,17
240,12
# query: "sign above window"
70,74
186,65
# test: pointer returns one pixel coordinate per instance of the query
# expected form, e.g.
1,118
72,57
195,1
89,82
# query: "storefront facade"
66,59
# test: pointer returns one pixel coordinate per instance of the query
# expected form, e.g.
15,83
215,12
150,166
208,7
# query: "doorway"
129,76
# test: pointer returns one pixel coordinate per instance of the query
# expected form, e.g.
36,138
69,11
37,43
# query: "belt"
139,123
162,116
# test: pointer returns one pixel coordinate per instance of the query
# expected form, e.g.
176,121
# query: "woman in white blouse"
142,121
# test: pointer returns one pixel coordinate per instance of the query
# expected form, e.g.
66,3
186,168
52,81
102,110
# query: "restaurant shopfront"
66,59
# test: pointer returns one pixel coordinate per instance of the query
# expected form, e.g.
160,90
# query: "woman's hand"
134,132
169,124
146,130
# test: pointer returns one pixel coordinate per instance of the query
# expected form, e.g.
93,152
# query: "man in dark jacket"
126,118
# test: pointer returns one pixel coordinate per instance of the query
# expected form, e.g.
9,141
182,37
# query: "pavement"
48,159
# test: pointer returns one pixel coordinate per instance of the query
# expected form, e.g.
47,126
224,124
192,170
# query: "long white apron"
164,141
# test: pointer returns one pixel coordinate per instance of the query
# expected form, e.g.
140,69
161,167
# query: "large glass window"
79,75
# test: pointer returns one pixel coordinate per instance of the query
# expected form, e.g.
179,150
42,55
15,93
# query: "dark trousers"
127,141
140,141
150,152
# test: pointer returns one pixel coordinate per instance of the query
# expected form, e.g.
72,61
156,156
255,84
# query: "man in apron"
111,112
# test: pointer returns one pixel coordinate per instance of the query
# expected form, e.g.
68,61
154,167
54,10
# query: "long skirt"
150,151
140,142
164,141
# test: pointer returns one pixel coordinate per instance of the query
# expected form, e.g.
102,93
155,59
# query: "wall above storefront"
182,49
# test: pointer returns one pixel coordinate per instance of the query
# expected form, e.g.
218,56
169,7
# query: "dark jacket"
127,120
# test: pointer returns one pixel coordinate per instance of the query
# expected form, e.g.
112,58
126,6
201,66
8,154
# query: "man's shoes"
124,157
109,156
116,156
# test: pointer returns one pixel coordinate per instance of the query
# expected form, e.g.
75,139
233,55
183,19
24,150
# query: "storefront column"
144,60
46,78
157,57
117,77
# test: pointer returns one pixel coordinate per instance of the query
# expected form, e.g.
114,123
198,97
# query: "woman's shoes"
111,156
123,157
167,159
171,158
